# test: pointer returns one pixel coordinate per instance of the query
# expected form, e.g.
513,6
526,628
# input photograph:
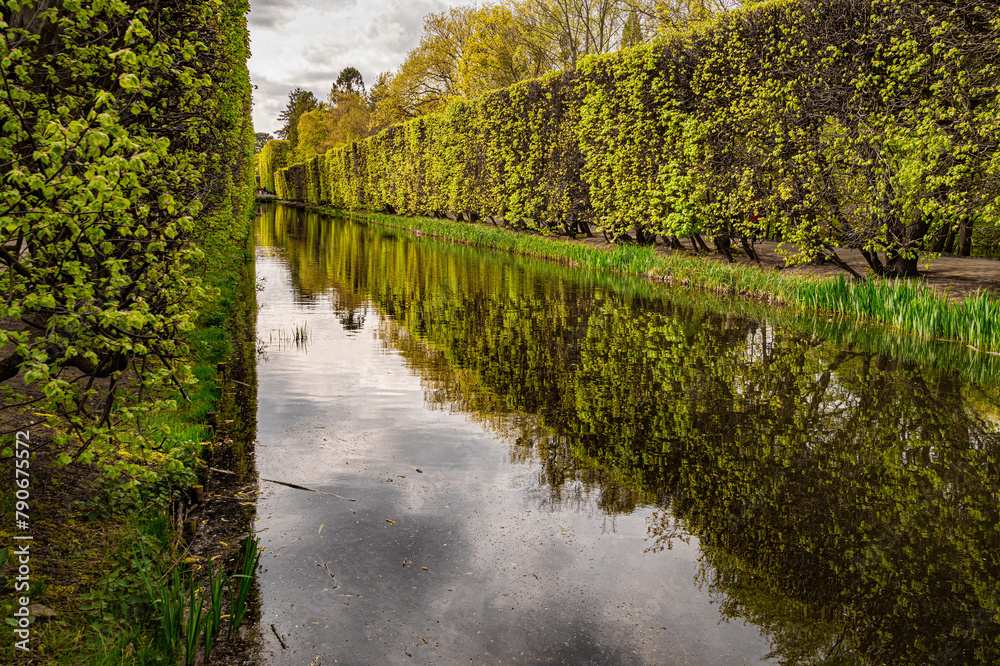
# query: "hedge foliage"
273,157
867,123
125,171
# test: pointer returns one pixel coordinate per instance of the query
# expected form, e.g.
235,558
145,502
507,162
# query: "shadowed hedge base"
860,123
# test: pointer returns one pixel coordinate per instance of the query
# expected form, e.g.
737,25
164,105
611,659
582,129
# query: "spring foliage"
866,123
273,158
124,171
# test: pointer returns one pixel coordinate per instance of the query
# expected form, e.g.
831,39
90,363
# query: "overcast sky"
307,43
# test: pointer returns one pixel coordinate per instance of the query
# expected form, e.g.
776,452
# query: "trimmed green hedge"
125,198
868,123
273,157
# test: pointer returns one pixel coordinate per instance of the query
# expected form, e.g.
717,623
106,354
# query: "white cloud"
306,43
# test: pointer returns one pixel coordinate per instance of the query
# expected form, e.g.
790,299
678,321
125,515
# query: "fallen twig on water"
278,636
983,352
290,485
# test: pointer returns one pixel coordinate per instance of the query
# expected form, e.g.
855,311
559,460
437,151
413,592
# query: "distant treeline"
863,123
472,49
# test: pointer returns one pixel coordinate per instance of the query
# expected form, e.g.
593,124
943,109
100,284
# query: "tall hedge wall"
222,231
273,157
870,123
125,175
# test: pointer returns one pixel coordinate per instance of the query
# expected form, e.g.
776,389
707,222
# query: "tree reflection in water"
845,499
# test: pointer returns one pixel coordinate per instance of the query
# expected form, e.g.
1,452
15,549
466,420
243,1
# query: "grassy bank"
109,550
908,307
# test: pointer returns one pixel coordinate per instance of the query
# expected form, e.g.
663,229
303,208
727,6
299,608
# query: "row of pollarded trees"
863,123
469,50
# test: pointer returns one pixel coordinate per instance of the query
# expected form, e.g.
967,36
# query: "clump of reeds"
238,595
300,335
297,337
913,307
190,619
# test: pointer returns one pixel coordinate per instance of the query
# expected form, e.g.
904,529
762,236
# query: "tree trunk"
965,238
939,239
643,238
874,262
723,244
905,267
749,249
949,245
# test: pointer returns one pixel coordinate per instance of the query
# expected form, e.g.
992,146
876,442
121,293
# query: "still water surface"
553,466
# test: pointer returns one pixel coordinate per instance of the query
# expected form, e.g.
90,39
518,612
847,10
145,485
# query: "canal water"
521,462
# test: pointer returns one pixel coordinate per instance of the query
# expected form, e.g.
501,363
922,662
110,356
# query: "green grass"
240,592
628,259
912,307
908,307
